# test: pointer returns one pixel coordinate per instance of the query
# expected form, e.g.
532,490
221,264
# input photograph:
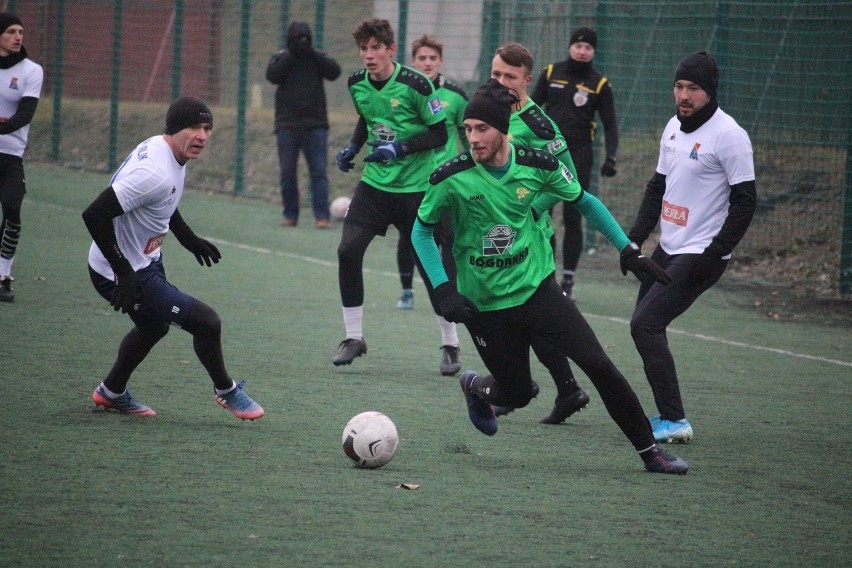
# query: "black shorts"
377,210
12,185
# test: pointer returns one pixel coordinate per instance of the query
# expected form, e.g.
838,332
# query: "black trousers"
503,339
656,307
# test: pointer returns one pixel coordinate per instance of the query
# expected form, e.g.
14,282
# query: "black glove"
608,168
204,251
344,158
708,265
384,152
633,260
453,306
124,294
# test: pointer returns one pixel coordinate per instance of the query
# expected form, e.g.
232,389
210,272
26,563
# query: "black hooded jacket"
299,72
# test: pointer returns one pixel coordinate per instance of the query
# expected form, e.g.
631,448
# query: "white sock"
449,335
5,267
109,393
353,319
226,391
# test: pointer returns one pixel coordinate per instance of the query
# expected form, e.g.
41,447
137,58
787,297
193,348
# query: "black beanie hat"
587,35
492,104
186,112
701,69
7,19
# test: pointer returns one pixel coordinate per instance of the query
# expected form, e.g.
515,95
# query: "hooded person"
17,108
301,120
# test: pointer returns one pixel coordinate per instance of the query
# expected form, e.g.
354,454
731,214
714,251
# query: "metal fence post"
242,95
58,53
177,49
115,85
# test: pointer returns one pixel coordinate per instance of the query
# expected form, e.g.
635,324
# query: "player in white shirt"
20,89
129,221
703,195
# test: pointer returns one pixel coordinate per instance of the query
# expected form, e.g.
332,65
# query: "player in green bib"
506,294
401,119
427,56
512,66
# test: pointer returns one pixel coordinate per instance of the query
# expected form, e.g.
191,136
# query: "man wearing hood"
301,120
20,89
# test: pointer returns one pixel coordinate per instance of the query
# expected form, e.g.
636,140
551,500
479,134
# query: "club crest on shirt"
581,97
499,240
694,154
383,133
522,192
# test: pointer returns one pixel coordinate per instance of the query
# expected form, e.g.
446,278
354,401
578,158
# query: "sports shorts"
156,299
376,210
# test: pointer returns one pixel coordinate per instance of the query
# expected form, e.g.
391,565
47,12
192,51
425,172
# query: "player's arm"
359,136
279,67
606,110
649,210
423,241
205,252
435,136
741,206
98,218
22,117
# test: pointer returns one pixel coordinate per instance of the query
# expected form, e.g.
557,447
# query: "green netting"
785,77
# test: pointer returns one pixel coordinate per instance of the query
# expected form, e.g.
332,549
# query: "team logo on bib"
383,133
498,241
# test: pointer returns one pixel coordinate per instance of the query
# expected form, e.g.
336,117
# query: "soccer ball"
339,207
370,440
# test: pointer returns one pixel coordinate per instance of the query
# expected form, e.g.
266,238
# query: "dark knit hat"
492,104
587,35
7,19
699,68
186,112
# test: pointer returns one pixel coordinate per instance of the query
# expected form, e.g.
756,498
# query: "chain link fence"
112,66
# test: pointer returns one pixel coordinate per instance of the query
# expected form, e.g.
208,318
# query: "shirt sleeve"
423,241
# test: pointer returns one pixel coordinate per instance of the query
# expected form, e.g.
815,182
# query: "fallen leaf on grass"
409,486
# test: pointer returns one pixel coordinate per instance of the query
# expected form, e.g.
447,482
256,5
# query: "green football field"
768,398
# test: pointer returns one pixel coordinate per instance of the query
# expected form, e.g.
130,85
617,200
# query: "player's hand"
641,266
707,266
205,252
608,168
453,306
384,152
345,157
124,294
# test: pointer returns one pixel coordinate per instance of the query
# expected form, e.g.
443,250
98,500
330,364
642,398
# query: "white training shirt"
149,186
700,168
21,80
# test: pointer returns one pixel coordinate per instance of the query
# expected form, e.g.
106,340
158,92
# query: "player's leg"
505,352
315,148
555,319
656,307
570,398
572,239
288,155
366,219
12,190
405,266
112,393
450,352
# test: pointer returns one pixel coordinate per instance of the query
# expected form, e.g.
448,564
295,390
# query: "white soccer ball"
339,206
370,440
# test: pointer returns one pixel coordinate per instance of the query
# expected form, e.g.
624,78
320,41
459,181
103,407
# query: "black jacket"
299,72
570,95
